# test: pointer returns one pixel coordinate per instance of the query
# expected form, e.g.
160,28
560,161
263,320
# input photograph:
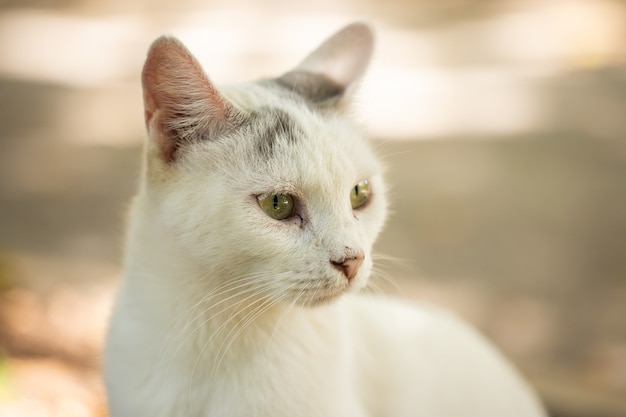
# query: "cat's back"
452,369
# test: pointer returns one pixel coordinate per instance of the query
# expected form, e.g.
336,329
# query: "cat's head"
267,185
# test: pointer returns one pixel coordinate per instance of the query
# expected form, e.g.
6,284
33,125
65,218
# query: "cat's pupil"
277,206
359,194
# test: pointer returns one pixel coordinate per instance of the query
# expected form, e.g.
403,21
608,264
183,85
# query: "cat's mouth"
324,296
313,291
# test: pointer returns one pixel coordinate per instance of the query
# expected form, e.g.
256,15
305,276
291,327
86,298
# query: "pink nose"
349,266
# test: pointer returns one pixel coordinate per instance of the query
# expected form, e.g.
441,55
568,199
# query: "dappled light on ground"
52,352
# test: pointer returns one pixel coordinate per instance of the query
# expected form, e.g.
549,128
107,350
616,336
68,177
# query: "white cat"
249,239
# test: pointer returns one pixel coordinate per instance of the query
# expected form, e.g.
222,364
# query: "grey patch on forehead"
315,88
275,126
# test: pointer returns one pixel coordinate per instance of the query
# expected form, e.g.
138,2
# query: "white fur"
224,311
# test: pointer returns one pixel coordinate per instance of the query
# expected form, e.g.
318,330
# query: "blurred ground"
502,124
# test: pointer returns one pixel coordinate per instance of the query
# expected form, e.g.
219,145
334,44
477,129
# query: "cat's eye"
359,194
277,206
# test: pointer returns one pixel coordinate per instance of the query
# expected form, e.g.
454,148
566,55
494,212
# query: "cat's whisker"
217,332
244,323
281,294
246,320
253,292
215,292
373,287
382,258
392,154
378,273
379,143
242,281
287,311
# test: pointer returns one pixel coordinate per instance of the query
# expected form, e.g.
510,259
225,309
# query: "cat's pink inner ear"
179,100
343,57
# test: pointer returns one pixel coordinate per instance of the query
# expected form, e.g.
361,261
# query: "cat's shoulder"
400,313
420,330
453,370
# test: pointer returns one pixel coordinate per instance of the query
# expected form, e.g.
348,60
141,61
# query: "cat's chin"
327,297
321,300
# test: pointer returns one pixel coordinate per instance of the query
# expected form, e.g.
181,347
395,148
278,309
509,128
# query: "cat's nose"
349,266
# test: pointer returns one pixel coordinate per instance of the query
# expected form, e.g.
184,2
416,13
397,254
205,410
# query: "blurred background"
502,122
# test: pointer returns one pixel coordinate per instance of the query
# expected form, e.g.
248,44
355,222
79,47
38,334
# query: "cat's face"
267,186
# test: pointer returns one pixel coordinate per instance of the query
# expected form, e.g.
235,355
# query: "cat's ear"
329,72
181,104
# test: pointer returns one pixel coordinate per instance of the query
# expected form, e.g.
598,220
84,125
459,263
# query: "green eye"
359,194
277,206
